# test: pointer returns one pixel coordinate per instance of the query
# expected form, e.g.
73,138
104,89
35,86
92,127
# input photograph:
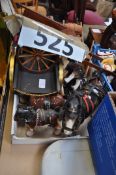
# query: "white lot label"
42,83
50,43
96,30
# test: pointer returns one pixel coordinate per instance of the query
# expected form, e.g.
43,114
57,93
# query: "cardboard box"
30,35
18,134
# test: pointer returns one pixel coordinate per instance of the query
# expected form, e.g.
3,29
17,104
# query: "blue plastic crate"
104,79
97,47
102,136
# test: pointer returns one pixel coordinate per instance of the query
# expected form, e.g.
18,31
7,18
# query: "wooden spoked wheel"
35,60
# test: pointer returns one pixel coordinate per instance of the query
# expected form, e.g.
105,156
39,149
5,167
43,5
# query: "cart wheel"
35,60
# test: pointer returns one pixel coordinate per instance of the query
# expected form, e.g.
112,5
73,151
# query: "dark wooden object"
94,37
109,36
45,20
66,5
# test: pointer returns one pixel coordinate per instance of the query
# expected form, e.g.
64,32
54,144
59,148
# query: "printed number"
44,39
70,49
52,46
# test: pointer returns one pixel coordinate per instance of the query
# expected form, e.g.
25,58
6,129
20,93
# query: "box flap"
37,35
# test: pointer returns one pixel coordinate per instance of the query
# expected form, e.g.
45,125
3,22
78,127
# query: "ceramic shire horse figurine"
65,116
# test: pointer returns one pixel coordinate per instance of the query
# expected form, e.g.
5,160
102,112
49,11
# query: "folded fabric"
71,16
93,18
90,17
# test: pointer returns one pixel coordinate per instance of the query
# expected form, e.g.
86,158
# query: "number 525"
53,45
